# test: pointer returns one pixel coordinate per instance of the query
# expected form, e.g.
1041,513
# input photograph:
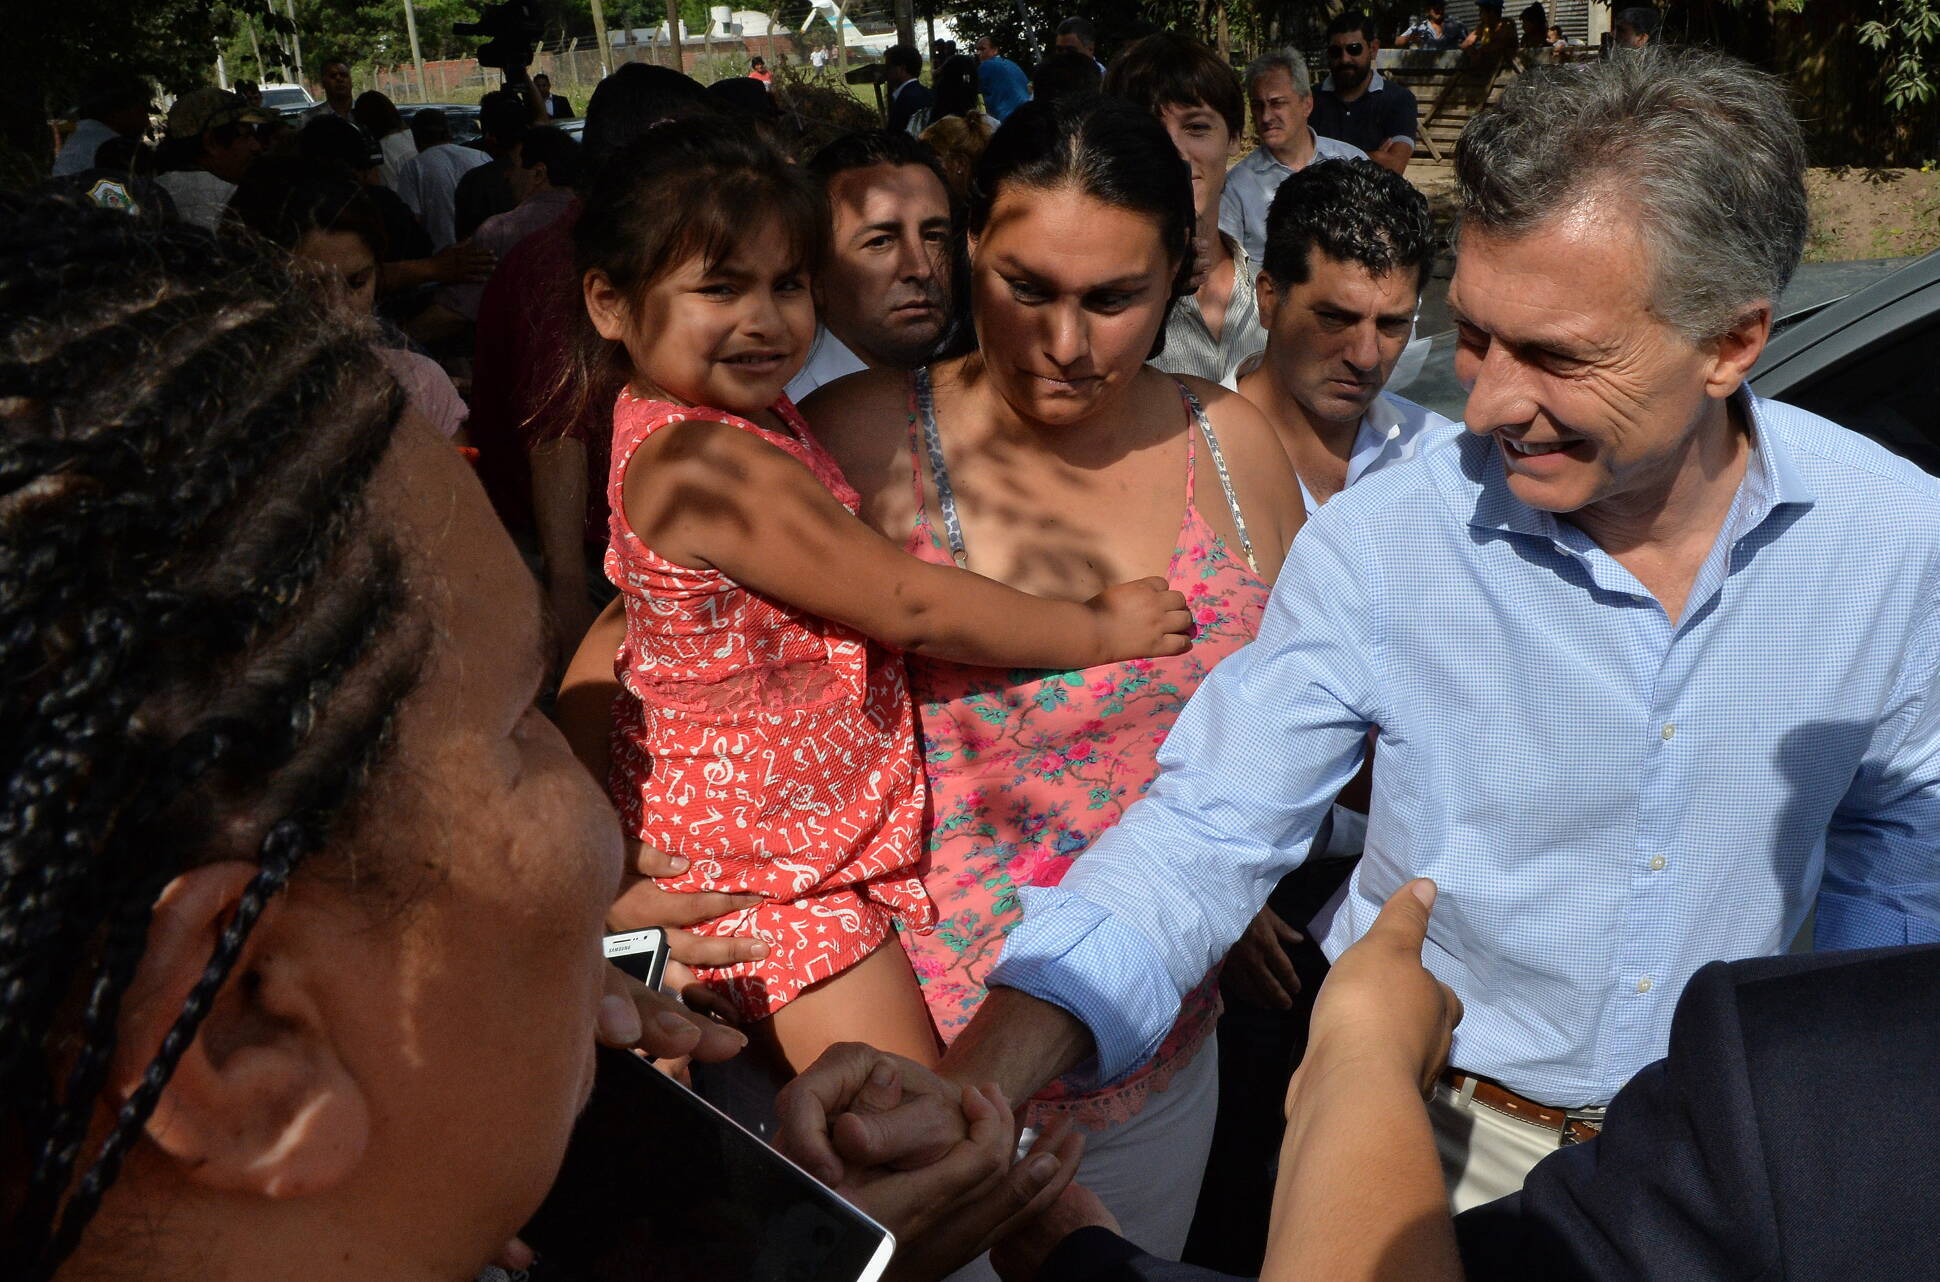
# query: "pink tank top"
1027,768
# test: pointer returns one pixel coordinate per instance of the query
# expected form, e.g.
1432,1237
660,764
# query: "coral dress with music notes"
773,749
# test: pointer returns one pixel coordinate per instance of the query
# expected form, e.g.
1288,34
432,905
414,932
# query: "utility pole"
296,38
600,41
673,33
222,77
417,59
905,22
262,72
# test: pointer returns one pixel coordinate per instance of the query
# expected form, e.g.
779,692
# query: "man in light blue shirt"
1282,98
1652,661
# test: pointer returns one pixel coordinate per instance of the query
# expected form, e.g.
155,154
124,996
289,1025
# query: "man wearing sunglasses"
1355,104
211,144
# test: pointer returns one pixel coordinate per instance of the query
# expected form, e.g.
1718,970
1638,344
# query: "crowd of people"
970,584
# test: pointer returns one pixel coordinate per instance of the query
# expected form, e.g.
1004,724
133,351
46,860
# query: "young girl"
769,737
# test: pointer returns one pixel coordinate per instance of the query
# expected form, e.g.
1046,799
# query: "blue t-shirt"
1004,86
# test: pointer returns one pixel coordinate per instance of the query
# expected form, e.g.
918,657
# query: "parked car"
1856,342
463,117
288,99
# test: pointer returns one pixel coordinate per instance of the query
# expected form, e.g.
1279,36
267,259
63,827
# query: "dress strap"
946,499
1225,476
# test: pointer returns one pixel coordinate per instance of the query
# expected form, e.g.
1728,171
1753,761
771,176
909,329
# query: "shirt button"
1643,985
1657,863
1670,728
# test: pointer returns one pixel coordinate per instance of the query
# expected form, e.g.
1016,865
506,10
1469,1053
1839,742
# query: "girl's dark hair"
284,198
1103,147
684,188
206,638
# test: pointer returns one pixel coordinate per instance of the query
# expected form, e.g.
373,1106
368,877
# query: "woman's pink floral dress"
1027,768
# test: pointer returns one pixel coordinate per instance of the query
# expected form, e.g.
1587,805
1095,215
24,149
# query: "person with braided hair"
279,806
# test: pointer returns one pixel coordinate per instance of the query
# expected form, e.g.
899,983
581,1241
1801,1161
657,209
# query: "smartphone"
658,1184
640,953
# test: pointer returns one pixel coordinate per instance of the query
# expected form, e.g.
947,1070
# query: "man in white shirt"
1348,248
1282,98
216,131
428,181
884,289
114,105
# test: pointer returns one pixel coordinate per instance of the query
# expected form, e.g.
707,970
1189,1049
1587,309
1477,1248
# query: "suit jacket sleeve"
1100,1255
1674,1188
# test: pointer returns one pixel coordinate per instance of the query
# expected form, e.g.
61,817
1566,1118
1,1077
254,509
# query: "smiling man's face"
1593,399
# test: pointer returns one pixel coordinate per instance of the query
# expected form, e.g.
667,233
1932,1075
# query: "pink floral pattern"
1026,769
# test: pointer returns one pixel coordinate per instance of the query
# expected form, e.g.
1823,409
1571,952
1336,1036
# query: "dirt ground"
1872,213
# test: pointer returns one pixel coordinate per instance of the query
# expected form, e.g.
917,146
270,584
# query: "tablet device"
660,1186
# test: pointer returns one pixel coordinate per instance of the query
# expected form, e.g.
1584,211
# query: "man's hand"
1380,1002
465,263
1019,1255
858,1108
1259,971
949,1212
635,1016
642,905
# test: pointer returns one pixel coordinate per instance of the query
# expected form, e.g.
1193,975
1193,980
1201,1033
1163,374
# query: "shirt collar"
1772,480
1263,161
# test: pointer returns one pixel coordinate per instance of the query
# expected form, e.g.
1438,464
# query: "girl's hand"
1140,619
642,904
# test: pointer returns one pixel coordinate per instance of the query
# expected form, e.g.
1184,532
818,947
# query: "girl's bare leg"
876,1001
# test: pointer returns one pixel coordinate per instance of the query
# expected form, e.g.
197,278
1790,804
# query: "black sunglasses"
1345,51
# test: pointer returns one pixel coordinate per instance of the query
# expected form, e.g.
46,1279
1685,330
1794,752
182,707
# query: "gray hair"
1287,60
1704,149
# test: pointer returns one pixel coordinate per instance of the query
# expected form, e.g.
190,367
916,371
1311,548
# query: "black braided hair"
203,641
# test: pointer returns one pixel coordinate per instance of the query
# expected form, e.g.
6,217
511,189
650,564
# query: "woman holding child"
1044,455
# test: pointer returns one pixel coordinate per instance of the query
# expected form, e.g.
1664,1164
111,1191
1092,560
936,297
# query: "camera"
512,31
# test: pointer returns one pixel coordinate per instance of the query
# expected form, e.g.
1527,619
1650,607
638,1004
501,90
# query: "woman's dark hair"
207,637
283,198
376,114
1171,70
635,98
683,189
1107,149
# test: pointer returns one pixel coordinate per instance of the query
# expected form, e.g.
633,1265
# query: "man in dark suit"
557,108
1786,1135
908,96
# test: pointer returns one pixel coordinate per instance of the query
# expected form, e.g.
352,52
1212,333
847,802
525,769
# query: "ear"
1266,300
606,305
1734,352
259,1102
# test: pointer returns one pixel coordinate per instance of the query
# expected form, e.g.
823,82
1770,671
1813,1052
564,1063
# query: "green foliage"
1905,33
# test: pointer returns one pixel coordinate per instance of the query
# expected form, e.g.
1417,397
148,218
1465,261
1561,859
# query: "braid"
205,641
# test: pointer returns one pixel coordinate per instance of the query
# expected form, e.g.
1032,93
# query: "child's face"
729,338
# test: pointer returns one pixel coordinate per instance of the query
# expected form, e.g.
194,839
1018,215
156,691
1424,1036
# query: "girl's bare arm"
709,495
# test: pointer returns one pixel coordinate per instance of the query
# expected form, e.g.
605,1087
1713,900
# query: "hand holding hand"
1380,1004
1259,971
1141,619
861,1108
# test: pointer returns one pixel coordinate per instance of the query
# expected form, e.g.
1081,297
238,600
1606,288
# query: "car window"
285,98
1891,394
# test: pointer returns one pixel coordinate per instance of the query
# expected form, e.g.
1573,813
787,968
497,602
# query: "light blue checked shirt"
1607,801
